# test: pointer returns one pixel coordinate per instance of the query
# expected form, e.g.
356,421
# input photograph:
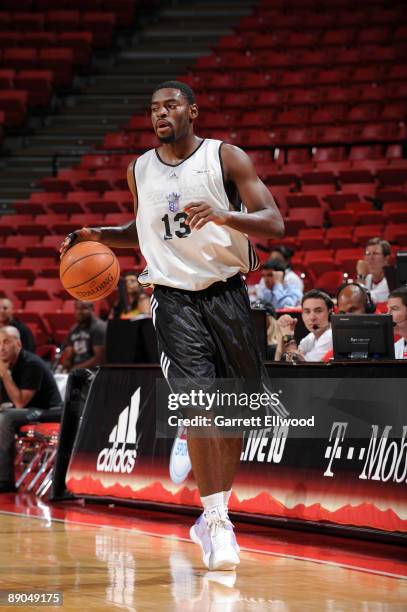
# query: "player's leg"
187,354
231,450
227,312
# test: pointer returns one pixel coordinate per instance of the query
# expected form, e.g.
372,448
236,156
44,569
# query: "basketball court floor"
102,557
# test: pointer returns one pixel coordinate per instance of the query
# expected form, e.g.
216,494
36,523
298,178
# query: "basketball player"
191,227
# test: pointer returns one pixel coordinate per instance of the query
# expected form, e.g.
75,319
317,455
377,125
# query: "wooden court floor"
113,559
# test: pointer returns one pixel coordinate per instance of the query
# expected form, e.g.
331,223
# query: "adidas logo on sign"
120,458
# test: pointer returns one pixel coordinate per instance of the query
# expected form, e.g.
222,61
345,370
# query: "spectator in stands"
274,290
284,254
85,345
7,319
370,270
133,300
398,309
28,392
353,298
317,308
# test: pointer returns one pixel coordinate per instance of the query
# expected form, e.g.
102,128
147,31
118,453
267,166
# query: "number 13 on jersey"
176,226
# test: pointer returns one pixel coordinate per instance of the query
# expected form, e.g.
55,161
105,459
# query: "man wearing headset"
398,309
353,298
317,308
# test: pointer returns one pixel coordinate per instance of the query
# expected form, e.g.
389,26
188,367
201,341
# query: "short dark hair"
182,87
386,248
285,251
400,292
317,294
275,264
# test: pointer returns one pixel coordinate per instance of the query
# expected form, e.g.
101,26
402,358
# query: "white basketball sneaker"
213,531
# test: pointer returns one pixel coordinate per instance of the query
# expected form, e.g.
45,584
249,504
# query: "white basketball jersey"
177,256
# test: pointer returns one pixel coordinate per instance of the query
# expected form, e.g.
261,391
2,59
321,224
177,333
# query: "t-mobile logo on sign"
121,456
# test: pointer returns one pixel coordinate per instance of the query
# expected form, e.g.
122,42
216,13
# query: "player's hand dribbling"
200,213
81,235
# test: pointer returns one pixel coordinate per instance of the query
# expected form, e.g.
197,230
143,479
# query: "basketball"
89,271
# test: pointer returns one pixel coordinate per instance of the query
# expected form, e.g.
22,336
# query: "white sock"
226,497
213,501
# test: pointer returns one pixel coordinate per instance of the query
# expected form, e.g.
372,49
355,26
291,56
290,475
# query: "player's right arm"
121,236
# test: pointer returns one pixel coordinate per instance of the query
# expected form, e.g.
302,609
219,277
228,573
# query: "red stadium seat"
362,233
391,195
365,190
118,141
355,176
328,154
341,218
102,206
377,36
396,212
60,61
28,21
101,25
319,265
310,238
63,21
122,197
302,201
338,37
396,233
52,285
330,281
20,242
267,99
7,79
292,226
339,237
53,240
370,217
80,43
37,40
45,198
346,260
20,59
38,84
14,105
33,293
52,218
392,176
312,217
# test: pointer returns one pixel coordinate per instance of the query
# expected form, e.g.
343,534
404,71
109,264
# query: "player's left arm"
263,217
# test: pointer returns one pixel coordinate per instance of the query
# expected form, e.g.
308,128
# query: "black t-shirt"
27,338
30,372
84,337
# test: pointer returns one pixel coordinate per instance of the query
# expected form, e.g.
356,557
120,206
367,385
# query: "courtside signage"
121,452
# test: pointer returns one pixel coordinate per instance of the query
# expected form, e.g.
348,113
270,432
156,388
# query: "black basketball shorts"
206,334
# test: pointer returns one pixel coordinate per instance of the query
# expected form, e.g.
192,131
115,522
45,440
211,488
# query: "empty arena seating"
318,98
41,47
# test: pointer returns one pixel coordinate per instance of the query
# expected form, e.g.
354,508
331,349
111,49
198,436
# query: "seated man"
273,290
284,254
317,308
85,345
7,318
370,270
28,392
353,298
398,309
